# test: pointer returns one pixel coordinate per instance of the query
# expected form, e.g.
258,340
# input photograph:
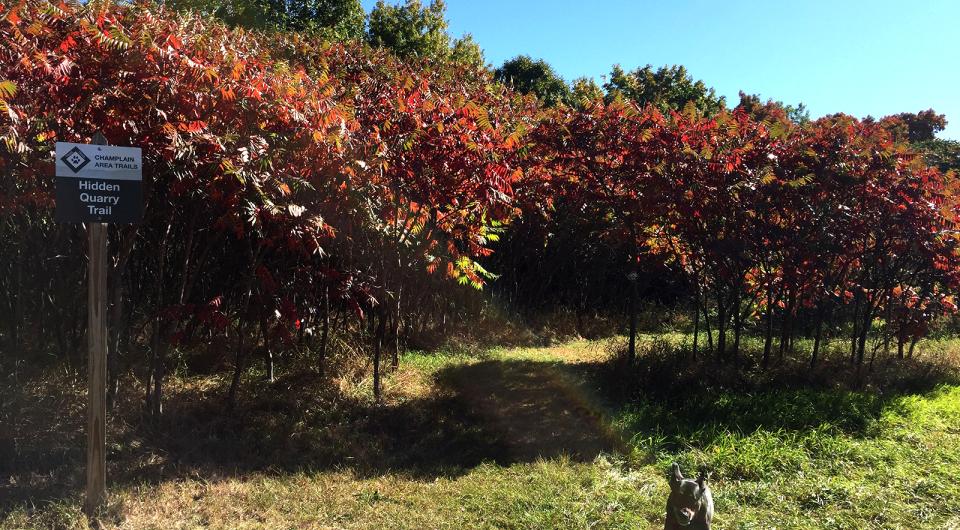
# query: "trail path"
534,410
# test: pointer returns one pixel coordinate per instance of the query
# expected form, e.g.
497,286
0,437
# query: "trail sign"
98,183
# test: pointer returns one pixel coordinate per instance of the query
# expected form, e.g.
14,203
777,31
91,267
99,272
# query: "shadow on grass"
502,412
499,411
686,403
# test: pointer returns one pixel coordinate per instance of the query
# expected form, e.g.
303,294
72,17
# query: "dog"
690,505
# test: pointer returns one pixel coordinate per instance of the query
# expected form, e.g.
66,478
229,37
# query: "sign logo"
75,159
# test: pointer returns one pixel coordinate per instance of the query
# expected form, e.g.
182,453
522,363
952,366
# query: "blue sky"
860,57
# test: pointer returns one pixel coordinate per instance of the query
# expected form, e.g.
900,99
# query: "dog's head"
687,497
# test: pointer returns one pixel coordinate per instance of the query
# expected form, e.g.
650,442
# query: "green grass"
785,458
867,468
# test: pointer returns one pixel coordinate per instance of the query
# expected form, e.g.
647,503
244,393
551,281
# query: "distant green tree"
667,87
944,154
411,29
759,109
534,77
335,19
256,14
466,51
585,90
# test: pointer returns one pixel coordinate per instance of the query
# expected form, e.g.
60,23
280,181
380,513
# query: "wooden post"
97,362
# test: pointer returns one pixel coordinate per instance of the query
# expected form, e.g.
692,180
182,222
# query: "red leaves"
195,126
173,42
368,163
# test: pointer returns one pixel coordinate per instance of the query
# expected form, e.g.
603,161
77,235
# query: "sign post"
97,184
97,367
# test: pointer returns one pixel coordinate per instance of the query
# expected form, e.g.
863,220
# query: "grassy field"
502,438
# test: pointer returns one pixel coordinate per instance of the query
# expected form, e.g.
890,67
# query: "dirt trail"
535,412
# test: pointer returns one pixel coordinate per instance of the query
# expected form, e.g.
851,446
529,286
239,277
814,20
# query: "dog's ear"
675,476
702,481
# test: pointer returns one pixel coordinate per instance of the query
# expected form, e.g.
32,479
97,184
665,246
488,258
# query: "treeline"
293,189
299,188
775,225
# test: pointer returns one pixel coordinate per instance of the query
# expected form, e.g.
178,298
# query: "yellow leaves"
800,181
8,89
767,176
284,189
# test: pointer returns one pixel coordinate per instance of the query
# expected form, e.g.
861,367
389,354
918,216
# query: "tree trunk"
237,364
377,346
864,330
696,324
706,324
325,330
267,350
913,343
817,336
721,329
15,318
396,331
737,328
114,331
632,351
786,326
158,350
118,319
239,358
768,339
855,334
887,327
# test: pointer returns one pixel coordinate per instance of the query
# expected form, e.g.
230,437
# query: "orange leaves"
236,72
12,16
